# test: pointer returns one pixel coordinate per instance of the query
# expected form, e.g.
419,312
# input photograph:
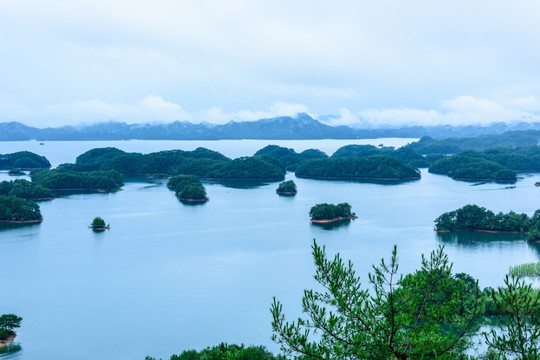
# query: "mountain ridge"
300,127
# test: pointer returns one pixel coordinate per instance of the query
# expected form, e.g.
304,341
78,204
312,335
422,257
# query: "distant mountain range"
300,127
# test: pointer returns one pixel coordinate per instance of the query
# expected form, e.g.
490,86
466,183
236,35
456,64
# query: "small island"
188,188
98,224
15,172
286,188
25,189
476,218
8,322
327,213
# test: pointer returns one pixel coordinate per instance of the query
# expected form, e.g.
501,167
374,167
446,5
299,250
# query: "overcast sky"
365,62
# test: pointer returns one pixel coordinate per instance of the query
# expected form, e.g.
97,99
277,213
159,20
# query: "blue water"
168,276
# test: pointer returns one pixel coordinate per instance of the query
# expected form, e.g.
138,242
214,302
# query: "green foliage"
518,312
16,209
24,189
406,155
8,323
469,166
59,179
377,167
23,160
425,315
529,269
249,168
187,187
474,217
98,223
330,211
286,187
226,352
288,158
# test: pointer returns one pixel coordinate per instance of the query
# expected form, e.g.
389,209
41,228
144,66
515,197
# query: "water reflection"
8,351
475,239
333,225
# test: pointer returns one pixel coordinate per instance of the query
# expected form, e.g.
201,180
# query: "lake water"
168,277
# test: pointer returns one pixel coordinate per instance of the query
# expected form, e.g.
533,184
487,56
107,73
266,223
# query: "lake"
168,276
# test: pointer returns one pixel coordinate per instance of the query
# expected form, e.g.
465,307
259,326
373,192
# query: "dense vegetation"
8,323
200,162
98,224
187,187
18,210
61,179
497,164
23,160
288,158
330,211
428,314
406,155
510,139
466,167
286,187
473,217
377,167
249,168
25,189
225,352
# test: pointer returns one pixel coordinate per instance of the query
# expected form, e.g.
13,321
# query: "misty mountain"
302,126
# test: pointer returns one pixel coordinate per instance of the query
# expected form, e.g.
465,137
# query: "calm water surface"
169,276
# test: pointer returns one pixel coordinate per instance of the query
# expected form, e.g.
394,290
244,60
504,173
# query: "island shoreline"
326,221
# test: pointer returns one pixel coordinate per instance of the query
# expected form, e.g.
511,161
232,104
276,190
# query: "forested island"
200,162
476,218
98,224
466,166
19,211
23,160
325,213
188,188
404,154
288,158
286,188
376,167
66,180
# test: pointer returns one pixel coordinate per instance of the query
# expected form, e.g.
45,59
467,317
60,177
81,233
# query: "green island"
200,162
286,188
325,213
466,167
98,224
288,158
25,189
528,270
375,167
65,180
188,188
476,218
23,160
8,324
16,172
404,154
19,211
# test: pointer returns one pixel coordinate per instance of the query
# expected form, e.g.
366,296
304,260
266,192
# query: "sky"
359,63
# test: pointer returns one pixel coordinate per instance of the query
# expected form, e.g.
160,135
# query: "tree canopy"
23,160
288,187
330,211
428,314
18,210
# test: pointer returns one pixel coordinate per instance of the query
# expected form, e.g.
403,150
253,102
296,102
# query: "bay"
168,276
